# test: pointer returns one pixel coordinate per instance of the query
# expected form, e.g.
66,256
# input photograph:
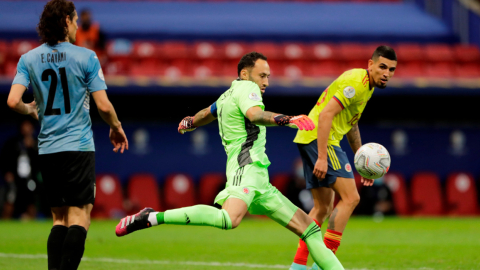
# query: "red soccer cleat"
133,223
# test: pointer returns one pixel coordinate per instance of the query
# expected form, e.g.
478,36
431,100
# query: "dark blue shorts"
338,165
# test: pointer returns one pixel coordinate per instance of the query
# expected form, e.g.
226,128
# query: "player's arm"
354,139
201,118
108,114
325,120
265,118
16,103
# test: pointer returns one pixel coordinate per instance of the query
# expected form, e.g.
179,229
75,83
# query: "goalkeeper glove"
186,125
301,122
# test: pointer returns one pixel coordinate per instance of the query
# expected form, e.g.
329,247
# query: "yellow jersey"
352,92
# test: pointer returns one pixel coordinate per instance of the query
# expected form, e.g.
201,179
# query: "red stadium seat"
147,67
439,53
176,69
354,52
229,69
355,64
410,70
329,69
117,67
234,50
323,52
143,192
426,194
296,70
175,50
179,191
207,50
440,70
461,194
410,52
277,68
206,69
109,198
210,185
20,47
3,55
281,181
466,53
294,51
398,187
10,69
146,49
271,50
467,70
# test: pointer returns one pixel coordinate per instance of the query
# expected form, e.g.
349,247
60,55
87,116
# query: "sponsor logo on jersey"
349,92
348,167
246,190
100,74
254,96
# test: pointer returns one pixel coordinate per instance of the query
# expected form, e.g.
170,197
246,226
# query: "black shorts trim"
69,178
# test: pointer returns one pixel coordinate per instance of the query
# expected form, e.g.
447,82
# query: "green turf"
395,243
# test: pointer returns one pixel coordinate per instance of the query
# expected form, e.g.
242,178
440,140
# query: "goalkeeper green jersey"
244,142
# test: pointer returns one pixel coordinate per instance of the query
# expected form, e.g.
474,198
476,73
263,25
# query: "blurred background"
165,60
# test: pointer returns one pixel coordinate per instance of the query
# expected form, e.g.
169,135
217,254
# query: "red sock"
332,240
302,252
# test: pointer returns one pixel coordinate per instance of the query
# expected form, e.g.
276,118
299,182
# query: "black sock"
55,246
73,247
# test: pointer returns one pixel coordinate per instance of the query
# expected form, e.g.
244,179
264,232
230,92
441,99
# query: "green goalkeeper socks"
201,215
323,256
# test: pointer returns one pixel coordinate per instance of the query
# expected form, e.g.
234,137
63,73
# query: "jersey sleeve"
94,75
247,96
22,76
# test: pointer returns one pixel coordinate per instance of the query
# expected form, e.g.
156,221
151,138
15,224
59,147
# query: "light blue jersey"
62,79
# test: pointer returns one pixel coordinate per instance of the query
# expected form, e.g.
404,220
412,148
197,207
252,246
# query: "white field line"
126,261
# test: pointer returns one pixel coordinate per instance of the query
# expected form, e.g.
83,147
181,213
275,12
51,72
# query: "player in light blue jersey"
63,76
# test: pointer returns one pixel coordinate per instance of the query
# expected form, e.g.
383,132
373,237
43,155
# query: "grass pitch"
394,243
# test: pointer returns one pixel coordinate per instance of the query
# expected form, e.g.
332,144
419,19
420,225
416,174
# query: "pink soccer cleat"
133,223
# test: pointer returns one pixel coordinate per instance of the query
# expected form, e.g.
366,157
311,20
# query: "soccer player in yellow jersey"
326,166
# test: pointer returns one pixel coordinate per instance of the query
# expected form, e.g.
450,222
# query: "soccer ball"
372,161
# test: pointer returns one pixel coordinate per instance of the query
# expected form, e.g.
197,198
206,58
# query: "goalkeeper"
242,121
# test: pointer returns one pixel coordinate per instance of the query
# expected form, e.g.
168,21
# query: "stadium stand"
281,181
398,187
209,186
426,194
179,191
143,192
109,197
461,195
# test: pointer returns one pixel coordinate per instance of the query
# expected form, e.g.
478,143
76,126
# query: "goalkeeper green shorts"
251,184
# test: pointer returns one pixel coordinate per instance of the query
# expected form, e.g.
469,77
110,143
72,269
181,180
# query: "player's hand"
367,182
301,122
186,125
320,170
118,139
32,109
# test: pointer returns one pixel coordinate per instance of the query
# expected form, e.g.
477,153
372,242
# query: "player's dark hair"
52,27
248,61
384,51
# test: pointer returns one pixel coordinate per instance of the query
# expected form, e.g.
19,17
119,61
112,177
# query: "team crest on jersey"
246,190
348,167
349,92
100,74
254,96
